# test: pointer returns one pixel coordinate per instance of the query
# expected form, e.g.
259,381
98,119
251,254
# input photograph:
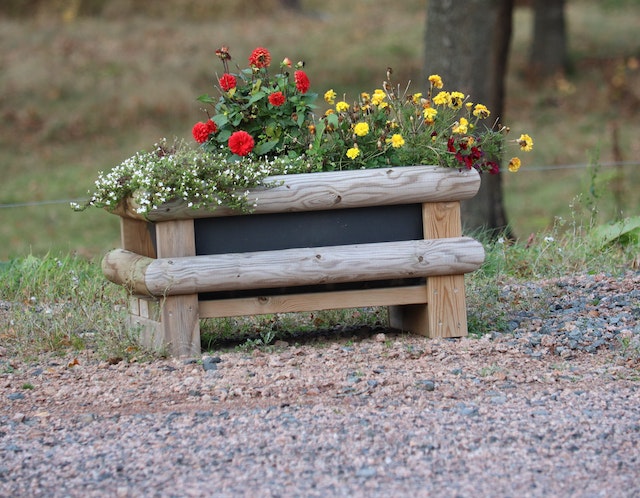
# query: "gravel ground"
550,409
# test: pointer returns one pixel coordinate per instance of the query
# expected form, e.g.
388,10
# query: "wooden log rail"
292,267
169,282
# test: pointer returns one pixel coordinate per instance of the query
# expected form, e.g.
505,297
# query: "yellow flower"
342,106
416,98
365,97
525,142
514,164
443,98
436,81
430,115
361,129
382,105
378,97
330,97
456,100
396,140
461,127
481,111
353,152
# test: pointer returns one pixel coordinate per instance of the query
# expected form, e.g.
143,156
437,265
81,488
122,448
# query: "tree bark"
548,55
467,43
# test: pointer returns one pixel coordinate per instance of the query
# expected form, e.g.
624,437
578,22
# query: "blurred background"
84,84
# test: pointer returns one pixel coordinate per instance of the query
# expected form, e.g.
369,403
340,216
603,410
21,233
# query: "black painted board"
274,231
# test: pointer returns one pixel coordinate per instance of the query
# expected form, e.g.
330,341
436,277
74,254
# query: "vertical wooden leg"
446,307
172,322
445,314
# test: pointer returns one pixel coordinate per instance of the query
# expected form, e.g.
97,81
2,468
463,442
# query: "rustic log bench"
381,237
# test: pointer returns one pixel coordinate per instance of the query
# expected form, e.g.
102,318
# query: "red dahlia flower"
260,58
302,81
227,82
276,98
201,131
241,143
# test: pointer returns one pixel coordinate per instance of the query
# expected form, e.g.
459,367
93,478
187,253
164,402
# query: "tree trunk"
467,43
548,55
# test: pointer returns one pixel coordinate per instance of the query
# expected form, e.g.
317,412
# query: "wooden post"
170,322
445,314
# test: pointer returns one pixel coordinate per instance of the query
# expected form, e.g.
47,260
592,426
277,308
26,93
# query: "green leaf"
206,99
332,119
220,120
625,232
256,97
223,136
265,147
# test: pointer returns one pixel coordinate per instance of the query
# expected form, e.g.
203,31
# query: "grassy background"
81,92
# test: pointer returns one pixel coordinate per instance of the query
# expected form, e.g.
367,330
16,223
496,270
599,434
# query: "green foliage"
275,110
200,177
394,127
56,304
625,232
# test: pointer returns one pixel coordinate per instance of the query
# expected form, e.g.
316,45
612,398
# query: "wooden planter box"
381,237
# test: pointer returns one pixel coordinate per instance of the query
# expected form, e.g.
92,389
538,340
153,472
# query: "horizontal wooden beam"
293,267
337,190
290,303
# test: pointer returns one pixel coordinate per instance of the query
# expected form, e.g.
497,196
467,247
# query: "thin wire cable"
523,170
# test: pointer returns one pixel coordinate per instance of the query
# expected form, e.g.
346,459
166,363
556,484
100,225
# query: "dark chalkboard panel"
267,232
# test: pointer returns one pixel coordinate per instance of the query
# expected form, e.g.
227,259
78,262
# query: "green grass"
64,305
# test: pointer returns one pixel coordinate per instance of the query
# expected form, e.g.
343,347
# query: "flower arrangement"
256,112
264,124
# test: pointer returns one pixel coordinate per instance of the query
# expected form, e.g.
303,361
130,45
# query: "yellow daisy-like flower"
481,111
378,97
443,98
469,105
514,164
382,105
436,81
456,100
525,142
461,126
342,106
396,140
361,129
330,96
416,98
430,115
353,152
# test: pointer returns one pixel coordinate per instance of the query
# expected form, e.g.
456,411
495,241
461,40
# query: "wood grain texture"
301,266
313,301
179,318
135,236
338,190
447,308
